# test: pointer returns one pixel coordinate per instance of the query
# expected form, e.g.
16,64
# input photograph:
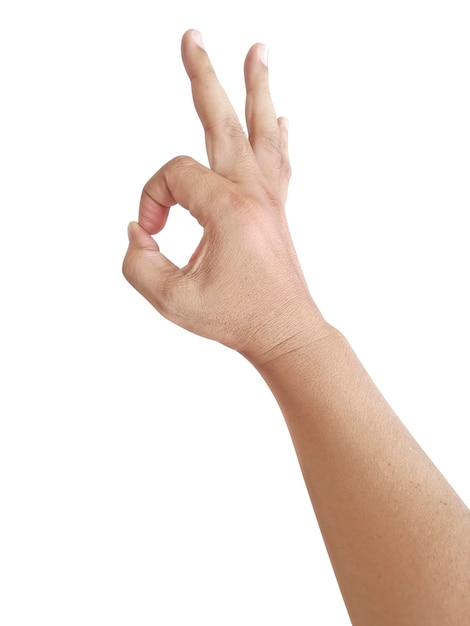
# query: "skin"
397,534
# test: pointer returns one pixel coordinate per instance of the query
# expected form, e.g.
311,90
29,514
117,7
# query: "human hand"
243,285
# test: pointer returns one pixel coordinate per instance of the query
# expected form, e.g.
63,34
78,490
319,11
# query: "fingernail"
263,54
130,228
197,38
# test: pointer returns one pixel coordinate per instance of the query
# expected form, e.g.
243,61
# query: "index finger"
186,182
228,148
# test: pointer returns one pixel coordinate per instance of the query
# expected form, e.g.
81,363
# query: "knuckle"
182,161
271,142
228,125
172,297
267,140
240,203
186,169
287,169
182,166
129,266
178,163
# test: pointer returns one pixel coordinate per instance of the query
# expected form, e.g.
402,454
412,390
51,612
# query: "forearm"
397,534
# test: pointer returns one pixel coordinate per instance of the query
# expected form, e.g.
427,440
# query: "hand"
243,285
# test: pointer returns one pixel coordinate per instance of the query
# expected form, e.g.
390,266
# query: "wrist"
296,330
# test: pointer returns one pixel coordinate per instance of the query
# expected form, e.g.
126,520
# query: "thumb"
146,268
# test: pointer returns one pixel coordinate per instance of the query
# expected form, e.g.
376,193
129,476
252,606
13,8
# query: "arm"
397,534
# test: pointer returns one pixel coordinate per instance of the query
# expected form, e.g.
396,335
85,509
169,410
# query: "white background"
146,475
